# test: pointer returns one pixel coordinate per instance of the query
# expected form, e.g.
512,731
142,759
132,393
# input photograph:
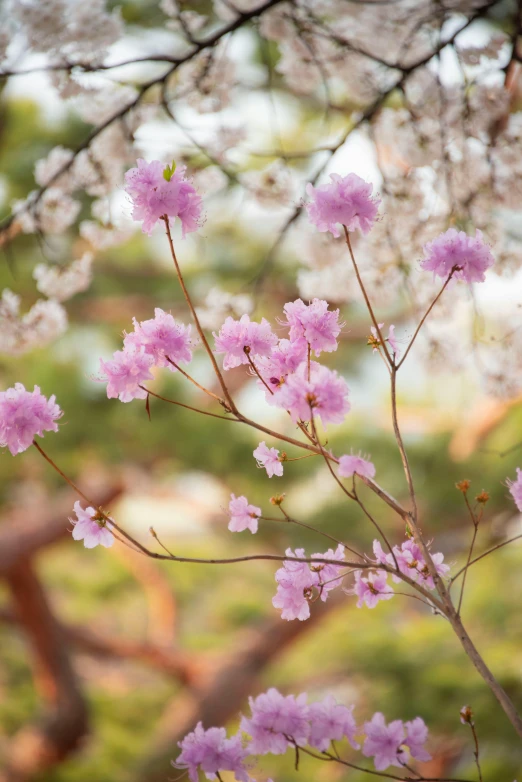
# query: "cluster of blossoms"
411,562
291,380
158,342
278,722
298,583
469,255
301,583
25,414
157,191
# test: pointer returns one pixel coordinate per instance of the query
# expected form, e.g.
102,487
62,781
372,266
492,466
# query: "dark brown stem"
473,539
188,407
288,519
375,524
246,351
195,382
200,331
476,750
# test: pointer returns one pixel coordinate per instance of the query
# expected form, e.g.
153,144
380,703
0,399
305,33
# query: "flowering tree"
316,60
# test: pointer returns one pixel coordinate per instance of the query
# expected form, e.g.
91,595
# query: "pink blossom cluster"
155,342
411,562
372,588
91,527
314,391
277,722
300,582
242,339
345,200
25,414
455,249
156,191
211,752
314,323
291,381
388,744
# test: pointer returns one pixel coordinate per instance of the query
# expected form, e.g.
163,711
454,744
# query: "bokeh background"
149,648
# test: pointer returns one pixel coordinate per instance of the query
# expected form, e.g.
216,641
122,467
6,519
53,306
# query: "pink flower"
347,200
391,339
416,736
25,414
242,515
161,337
350,465
515,488
328,575
315,323
295,582
91,527
325,394
269,459
372,589
237,336
411,562
283,361
154,196
274,717
128,369
383,742
455,248
331,722
211,751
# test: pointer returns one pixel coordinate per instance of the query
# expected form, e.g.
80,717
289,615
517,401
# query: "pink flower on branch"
158,191
350,465
416,737
124,374
242,515
453,249
346,200
240,339
383,742
325,394
161,337
331,721
269,459
283,361
411,562
391,339
274,719
91,527
296,582
211,752
371,589
25,414
316,324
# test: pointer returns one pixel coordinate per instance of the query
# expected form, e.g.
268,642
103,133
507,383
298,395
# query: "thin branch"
433,303
484,554
366,298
